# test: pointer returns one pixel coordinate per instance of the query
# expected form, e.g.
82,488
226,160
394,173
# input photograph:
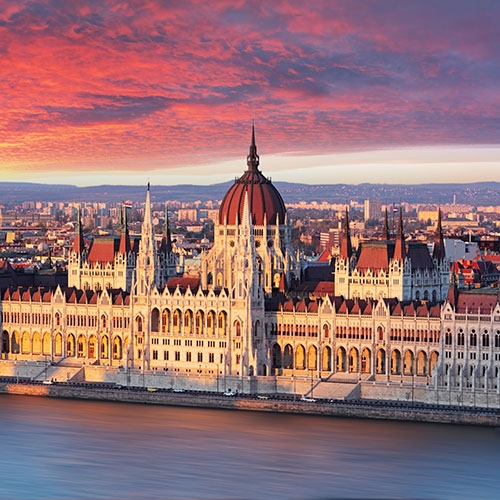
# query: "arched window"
300,358
165,321
104,347
188,321
380,332
177,321
222,323
138,323
326,331
288,357
447,337
81,346
155,320
326,364
237,328
460,337
117,348
486,339
200,319
473,340
312,358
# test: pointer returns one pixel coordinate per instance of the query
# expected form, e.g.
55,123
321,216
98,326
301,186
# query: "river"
83,449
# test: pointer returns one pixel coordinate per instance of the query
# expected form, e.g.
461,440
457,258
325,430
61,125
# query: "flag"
395,208
127,204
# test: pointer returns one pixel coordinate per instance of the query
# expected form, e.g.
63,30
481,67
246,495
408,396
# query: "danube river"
82,449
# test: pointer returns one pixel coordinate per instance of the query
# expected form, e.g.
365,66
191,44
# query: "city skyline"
387,92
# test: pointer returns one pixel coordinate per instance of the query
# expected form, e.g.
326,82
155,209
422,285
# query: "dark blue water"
79,449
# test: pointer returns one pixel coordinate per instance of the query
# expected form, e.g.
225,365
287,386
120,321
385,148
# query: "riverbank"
386,410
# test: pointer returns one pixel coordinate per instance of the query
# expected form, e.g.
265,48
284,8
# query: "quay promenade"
281,403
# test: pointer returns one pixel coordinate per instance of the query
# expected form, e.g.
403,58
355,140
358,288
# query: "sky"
125,92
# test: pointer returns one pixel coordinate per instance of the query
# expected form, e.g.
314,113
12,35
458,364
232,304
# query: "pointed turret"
78,244
253,157
453,290
346,245
166,240
400,248
439,251
124,234
385,232
147,256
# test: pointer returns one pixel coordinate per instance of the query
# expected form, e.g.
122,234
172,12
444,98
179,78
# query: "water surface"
81,449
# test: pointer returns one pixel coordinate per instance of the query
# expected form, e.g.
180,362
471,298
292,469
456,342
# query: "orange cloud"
123,84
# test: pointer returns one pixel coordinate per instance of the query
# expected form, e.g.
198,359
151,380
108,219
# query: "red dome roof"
265,202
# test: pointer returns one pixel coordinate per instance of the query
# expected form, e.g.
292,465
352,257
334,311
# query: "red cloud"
110,81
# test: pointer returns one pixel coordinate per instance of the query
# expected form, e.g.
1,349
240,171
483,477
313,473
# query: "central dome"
265,204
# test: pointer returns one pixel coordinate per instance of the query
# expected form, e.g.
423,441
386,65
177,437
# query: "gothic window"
473,340
138,322
486,340
447,337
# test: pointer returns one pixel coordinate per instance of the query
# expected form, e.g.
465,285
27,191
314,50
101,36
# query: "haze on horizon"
106,92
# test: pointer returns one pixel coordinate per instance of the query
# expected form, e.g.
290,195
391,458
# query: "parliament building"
387,317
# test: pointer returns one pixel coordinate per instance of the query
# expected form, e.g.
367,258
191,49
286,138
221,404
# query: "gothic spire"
439,251
78,244
400,248
166,240
146,258
253,157
385,232
124,234
346,245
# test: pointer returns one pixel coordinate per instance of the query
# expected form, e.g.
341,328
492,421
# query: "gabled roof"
104,249
419,255
375,255
183,283
475,302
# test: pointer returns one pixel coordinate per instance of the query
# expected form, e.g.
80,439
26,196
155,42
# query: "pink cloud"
180,83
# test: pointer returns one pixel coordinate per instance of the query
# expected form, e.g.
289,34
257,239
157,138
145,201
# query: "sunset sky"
126,92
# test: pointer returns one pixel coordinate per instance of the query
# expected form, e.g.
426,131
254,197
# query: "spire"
146,258
166,241
253,157
453,290
124,235
78,244
346,246
385,232
400,248
147,225
439,251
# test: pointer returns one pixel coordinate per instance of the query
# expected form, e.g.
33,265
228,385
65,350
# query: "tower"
252,204
147,257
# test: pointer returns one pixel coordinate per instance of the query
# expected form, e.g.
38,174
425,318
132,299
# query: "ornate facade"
392,268
387,321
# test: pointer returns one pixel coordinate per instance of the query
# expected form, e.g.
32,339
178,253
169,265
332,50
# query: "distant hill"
479,193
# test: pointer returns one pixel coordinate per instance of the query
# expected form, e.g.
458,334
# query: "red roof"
374,255
476,302
324,257
104,249
264,201
183,284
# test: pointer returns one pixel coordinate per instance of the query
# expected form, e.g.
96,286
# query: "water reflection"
78,449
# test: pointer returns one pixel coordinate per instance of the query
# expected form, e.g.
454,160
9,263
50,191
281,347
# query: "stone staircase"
338,386
64,371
